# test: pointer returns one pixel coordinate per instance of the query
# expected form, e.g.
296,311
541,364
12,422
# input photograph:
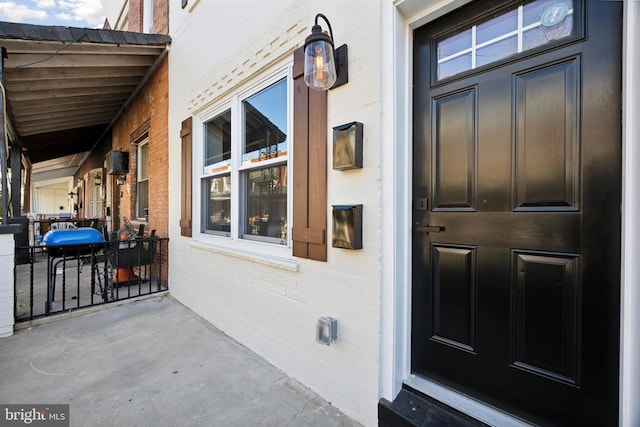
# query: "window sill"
289,264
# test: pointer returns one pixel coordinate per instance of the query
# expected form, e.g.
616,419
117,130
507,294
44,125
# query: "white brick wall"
6,284
272,307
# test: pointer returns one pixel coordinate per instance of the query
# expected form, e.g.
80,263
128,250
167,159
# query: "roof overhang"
66,86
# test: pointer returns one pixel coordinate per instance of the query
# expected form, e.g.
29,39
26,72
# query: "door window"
509,33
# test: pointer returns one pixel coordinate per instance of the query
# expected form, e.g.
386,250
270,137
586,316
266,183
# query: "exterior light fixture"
98,180
121,179
324,67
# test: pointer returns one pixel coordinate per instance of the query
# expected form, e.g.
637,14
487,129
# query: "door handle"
428,228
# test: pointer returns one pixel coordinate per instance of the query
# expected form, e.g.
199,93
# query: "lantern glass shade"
319,65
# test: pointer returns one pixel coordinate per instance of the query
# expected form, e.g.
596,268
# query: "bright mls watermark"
34,415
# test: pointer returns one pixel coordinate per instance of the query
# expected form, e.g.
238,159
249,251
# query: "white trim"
139,146
630,293
399,21
235,241
284,263
396,216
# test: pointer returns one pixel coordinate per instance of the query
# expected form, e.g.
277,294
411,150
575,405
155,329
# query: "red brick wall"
135,16
160,16
151,104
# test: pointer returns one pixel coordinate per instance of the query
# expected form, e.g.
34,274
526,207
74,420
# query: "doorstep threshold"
465,407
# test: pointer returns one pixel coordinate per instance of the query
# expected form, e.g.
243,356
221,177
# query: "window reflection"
553,19
497,27
496,51
265,124
267,202
218,204
218,143
454,44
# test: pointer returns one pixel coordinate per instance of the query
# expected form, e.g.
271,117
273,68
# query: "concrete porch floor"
153,363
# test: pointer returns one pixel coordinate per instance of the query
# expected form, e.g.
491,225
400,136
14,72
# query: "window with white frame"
142,182
95,193
244,176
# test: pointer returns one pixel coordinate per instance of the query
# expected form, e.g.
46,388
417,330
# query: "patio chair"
62,225
124,256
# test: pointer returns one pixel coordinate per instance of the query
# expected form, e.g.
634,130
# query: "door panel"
547,127
516,253
546,328
454,296
454,146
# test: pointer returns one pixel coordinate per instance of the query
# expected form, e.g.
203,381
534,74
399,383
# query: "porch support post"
15,155
4,189
7,290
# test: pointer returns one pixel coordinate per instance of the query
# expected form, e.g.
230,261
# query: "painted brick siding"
262,296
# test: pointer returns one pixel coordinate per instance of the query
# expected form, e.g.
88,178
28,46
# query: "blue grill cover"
73,236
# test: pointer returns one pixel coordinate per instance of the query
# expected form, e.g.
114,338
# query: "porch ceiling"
65,86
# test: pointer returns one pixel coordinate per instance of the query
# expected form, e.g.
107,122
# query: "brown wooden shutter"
186,179
309,231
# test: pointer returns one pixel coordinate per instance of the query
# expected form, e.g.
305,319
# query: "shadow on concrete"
153,363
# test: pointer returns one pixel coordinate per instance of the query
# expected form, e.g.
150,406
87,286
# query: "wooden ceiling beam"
77,93
18,47
26,108
64,125
79,114
55,61
78,83
21,106
62,73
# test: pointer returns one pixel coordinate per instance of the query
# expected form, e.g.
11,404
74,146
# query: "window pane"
217,154
497,27
217,204
454,66
549,12
552,21
142,188
265,123
496,51
454,44
267,202
143,161
504,35
143,200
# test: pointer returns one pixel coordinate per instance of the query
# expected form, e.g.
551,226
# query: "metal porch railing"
64,278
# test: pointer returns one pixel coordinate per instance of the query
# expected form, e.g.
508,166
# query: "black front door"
516,188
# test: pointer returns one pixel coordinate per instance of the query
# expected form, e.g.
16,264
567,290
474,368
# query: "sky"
68,13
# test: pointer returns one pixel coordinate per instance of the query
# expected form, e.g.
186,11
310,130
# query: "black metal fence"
64,278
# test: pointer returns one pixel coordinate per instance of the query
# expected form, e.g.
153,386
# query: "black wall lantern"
324,67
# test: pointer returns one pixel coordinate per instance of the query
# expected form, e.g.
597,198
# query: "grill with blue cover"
64,244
